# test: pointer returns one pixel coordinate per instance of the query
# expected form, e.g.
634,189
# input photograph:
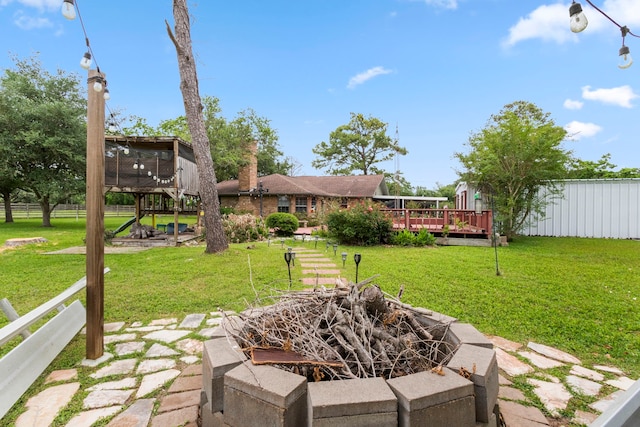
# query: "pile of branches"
343,333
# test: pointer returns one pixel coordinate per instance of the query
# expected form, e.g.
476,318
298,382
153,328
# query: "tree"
517,153
215,237
603,168
229,140
42,134
356,146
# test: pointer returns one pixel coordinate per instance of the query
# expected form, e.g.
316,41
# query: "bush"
424,238
243,228
362,224
404,238
284,224
407,238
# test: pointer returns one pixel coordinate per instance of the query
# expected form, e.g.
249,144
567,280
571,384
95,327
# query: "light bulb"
141,166
149,173
85,62
68,9
112,127
107,95
578,21
155,177
625,58
126,150
97,86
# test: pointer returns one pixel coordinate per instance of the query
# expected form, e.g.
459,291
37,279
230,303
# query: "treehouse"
159,171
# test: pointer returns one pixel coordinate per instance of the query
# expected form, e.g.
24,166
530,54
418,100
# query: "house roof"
328,186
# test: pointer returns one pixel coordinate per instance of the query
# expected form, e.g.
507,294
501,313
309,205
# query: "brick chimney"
248,174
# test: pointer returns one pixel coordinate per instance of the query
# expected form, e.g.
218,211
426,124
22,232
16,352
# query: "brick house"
305,195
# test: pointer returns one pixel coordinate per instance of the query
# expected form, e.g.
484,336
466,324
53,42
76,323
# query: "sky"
435,70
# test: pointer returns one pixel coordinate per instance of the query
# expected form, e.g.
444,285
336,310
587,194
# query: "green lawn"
580,295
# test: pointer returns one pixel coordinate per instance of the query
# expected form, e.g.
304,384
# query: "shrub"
243,228
362,224
424,238
284,224
404,238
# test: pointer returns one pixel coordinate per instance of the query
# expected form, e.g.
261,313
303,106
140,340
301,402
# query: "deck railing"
458,221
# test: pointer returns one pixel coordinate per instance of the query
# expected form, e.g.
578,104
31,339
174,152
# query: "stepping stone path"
151,374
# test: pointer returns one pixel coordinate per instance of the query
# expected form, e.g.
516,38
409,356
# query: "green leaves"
356,146
518,152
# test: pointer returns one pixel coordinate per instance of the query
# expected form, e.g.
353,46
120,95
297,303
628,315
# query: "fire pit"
348,357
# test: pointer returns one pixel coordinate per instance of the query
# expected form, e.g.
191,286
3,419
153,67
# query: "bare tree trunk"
215,237
46,211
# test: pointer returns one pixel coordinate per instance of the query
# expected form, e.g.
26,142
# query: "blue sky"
436,69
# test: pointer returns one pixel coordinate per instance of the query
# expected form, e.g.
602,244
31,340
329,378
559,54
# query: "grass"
579,295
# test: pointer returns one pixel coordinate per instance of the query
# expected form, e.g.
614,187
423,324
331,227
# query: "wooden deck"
461,223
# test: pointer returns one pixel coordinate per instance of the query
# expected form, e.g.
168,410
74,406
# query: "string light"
68,10
578,22
85,62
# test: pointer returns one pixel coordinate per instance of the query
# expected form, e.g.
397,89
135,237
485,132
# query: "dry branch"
345,332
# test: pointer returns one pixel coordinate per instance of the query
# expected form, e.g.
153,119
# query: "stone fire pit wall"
237,393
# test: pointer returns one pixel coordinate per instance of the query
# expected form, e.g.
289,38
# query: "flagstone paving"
151,375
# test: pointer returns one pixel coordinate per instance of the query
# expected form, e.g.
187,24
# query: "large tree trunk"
215,237
46,211
8,213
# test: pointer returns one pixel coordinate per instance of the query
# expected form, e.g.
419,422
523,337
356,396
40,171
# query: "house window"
344,203
313,205
301,204
283,204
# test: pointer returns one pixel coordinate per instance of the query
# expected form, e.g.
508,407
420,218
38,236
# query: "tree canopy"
42,134
356,147
229,139
603,168
518,152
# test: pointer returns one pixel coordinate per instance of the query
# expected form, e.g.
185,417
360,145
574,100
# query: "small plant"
424,238
445,230
404,238
284,224
461,225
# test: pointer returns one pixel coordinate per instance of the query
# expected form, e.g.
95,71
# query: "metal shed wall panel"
608,208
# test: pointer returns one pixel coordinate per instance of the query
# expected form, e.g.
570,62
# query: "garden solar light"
344,258
282,243
356,259
316,246
287,258
335,248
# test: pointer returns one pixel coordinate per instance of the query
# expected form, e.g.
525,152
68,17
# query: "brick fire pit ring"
237,393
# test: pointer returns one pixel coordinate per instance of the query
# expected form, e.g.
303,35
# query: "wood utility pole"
95,218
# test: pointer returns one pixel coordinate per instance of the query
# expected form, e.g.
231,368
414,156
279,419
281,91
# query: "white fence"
605,208
32,210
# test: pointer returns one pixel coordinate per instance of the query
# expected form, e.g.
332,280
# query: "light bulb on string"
625,60
85,62
107,95
577,19
135,165
97,86
149,173
68,9
141,166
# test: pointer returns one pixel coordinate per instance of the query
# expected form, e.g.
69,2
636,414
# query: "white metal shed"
608,208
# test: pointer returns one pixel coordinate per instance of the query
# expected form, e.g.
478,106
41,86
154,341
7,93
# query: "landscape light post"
357,258
344,258
287,258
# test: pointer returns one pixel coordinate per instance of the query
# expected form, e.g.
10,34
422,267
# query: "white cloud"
547,22
571,104
551,22
445,4
41,5
360,78
578,130
620,96
25,22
